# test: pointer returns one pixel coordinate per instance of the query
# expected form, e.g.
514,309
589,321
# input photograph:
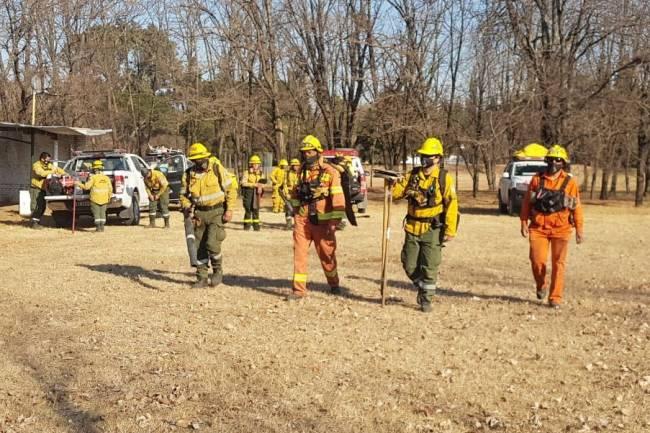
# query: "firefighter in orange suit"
550,210
319,205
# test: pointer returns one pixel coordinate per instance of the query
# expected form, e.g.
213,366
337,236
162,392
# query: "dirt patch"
101,333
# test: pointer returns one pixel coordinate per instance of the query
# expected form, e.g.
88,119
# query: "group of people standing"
311,195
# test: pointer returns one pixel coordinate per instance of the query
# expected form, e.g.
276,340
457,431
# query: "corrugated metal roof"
58,130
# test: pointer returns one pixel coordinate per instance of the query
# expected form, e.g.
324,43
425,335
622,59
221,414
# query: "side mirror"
505,175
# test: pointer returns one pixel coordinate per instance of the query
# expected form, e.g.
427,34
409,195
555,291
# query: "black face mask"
426,161
553,167
309,160
202,164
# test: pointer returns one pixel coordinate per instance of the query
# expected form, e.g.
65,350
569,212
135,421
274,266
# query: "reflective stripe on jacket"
101,188
203,187
441,197
156,182
40,171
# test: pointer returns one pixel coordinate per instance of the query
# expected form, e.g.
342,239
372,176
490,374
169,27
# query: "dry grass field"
102,333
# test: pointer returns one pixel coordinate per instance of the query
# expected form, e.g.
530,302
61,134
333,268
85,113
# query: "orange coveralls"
329,209
552,229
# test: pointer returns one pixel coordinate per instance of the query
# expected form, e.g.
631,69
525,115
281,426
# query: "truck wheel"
134,211
512,210
503,207
62,218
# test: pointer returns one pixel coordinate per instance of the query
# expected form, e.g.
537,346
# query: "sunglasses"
554,159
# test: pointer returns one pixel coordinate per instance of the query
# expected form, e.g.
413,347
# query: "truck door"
139,164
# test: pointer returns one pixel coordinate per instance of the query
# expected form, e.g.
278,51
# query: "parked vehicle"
514,183
358,185
172,163
129,193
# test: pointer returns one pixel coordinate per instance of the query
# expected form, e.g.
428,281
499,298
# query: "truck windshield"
529,169
111,163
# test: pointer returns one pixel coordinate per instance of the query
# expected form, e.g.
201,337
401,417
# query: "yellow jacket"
209,188
40,171
292,180
250,179
156,183
448,197
100,188
277,177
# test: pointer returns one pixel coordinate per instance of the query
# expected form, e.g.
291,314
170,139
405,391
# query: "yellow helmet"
97,165
311,143
254,160
295,161
557,151
198,151
431,146
283,163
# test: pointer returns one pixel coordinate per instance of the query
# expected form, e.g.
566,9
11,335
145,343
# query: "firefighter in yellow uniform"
431,220
158,191
291,180
278,176
101,191
251,187
319,205
208,192
41,169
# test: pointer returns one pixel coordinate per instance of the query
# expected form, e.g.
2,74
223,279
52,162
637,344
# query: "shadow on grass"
135,274
441,291
52,379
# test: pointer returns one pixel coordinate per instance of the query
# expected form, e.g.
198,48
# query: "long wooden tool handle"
384,242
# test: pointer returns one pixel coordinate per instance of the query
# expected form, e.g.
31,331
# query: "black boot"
256,227
166,222
247,227
152,222
98,227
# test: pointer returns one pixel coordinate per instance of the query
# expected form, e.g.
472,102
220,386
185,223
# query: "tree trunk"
604,180
585,178
642,169
594,175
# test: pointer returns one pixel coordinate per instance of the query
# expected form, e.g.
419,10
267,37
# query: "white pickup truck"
514,183
129,193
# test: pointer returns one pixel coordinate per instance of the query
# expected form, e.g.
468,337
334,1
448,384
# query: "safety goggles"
554,160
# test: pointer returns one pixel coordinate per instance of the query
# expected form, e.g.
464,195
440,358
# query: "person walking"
431,219
207,194
319,207
101,191
549,212
251,187
158,191
41,169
